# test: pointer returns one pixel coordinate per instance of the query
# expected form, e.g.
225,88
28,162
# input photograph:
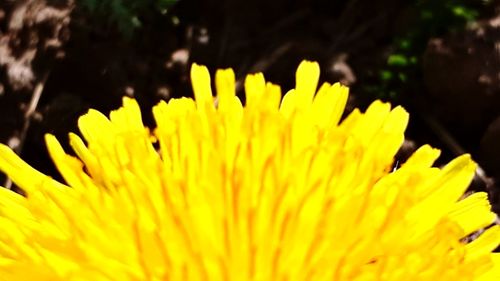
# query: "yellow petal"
307,78
202,88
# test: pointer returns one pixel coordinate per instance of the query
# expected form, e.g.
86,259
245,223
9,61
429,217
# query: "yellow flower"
267,191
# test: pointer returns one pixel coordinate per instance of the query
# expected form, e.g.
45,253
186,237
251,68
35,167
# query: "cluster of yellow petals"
278,189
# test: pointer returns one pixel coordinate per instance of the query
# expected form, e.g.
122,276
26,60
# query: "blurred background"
440,59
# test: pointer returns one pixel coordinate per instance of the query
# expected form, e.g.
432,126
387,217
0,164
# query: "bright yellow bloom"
267,191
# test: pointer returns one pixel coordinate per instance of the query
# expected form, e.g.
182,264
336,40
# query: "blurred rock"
341,71
462,76
35,32
405,151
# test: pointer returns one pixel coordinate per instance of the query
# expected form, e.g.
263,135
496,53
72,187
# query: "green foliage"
124,14
431,19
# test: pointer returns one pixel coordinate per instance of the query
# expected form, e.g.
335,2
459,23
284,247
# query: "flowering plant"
277,189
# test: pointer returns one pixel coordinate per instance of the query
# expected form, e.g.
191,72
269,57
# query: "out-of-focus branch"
17,142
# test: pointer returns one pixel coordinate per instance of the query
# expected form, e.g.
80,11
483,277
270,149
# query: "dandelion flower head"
277,189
